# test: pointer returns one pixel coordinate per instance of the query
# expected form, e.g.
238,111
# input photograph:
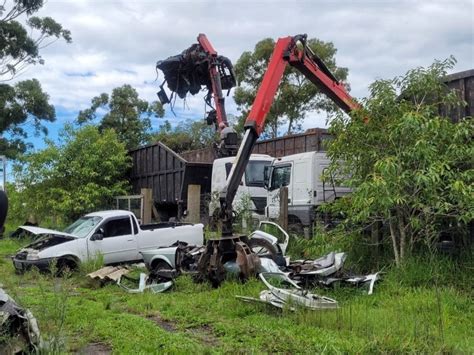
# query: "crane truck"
293,51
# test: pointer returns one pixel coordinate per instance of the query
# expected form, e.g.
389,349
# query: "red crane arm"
286,52
219,99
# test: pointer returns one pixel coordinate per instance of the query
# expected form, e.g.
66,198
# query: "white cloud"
118,42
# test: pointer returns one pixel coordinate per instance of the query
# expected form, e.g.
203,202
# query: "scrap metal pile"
19,332
260,254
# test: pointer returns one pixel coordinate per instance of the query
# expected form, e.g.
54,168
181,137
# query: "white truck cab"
301,173
252,185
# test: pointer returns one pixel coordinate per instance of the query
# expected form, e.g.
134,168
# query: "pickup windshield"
83,226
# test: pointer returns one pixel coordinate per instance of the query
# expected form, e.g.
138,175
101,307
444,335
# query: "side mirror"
98,235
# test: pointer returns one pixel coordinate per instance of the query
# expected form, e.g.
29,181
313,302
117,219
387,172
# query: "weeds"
425,306
91,265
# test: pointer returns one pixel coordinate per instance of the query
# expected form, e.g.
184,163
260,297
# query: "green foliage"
187,135
24,102
409,167
81,173
295,97
420,310
18,48
126,113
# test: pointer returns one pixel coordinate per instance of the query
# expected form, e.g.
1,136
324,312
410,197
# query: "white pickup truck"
115,235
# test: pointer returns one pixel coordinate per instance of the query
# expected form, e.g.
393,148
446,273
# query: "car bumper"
24,265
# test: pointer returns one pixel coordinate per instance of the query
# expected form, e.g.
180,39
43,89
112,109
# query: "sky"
119,42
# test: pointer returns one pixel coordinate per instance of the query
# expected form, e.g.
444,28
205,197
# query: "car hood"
38,232
45,238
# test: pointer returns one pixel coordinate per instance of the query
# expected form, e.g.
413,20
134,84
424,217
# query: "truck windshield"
83,226
254,175
280,177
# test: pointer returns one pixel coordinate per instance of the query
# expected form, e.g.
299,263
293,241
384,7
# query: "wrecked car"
114,235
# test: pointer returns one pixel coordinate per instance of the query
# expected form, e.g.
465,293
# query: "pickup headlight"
32,256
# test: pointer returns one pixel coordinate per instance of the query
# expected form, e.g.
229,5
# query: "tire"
296,228
66,265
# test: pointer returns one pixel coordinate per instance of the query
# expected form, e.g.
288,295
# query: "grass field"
426,307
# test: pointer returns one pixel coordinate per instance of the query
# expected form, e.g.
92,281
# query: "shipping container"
159,168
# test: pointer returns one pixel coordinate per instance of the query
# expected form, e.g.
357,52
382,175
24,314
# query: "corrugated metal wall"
463,83
158,167
309,141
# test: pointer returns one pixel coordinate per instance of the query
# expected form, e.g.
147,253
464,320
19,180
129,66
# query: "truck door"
301,184
118,243
281,176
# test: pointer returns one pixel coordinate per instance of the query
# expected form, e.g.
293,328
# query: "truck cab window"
254,175
280,176
117,227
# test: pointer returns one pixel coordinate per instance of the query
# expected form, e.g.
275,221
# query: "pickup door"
118,244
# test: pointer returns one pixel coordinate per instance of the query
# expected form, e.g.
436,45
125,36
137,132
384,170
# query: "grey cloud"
120,41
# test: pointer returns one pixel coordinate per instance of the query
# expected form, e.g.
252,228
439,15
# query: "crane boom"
286,52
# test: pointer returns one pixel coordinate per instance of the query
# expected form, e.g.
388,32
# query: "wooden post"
147,205
194,203
284,208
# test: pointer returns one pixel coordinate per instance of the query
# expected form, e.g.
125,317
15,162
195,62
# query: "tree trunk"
403,237
393,234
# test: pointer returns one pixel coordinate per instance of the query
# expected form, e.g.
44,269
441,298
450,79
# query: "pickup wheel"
66,265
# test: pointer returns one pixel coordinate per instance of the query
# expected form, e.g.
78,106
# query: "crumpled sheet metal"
324,266
19,325
292,297
109,273
143,284
363,280
328,270
266,297
296,295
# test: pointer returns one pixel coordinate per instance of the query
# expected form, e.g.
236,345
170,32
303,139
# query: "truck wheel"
296,228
